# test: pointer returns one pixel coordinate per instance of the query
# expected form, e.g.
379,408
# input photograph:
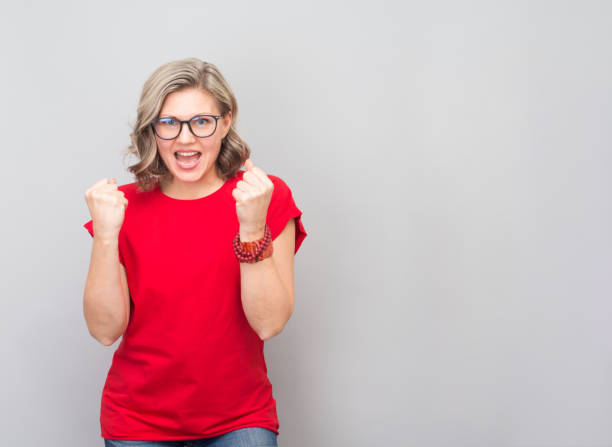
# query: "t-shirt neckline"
210,196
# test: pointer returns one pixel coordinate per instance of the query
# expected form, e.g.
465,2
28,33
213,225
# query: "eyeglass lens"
202,126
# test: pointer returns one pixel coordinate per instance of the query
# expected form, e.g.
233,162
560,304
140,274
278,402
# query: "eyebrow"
168,115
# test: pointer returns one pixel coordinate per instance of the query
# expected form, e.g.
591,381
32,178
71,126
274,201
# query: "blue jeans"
243,437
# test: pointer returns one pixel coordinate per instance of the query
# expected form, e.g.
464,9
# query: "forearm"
265,299
105,300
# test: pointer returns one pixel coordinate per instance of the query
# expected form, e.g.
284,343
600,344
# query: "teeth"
187,154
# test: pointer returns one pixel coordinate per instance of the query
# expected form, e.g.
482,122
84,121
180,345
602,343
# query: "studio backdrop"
452,161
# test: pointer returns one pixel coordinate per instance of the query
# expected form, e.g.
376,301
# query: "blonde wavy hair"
171,77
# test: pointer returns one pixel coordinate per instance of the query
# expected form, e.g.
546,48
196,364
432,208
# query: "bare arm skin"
106,301
267,285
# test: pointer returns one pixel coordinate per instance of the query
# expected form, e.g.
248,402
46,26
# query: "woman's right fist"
107,207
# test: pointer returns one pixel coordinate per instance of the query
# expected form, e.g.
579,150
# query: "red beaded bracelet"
253,251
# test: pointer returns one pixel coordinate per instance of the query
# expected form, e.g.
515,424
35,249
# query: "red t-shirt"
189,365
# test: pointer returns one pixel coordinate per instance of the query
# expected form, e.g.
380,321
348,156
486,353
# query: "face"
185,104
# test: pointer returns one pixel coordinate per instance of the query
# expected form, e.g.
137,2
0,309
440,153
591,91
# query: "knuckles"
105,196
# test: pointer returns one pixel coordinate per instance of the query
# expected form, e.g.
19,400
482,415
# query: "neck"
192,190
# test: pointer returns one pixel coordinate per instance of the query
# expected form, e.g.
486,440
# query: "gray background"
452,160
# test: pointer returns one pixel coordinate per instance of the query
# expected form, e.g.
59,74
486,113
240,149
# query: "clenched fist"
252,194
107,207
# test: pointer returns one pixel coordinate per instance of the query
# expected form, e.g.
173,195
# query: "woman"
193,265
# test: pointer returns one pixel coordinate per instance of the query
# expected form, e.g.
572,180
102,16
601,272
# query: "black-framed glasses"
170,127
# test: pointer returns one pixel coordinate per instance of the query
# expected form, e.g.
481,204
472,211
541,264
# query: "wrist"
106,239
256,250
252,233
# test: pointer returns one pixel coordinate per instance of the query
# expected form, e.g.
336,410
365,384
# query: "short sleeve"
282,208
89,227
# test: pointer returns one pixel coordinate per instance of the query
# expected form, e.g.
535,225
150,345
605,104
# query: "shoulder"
128,188
282,197
138,200
280,186
133,192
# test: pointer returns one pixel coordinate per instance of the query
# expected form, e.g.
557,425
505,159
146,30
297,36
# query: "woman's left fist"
253,194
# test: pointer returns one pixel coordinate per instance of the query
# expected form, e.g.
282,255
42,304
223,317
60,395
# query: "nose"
185,136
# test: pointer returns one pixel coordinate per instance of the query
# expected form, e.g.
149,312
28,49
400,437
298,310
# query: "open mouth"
187,159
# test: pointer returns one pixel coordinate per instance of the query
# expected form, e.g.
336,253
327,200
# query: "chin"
188,176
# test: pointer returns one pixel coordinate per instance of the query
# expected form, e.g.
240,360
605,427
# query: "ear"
227,122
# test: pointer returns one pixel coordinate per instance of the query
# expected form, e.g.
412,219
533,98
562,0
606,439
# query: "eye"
201,121
167,121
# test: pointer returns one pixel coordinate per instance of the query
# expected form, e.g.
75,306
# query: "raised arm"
106,299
